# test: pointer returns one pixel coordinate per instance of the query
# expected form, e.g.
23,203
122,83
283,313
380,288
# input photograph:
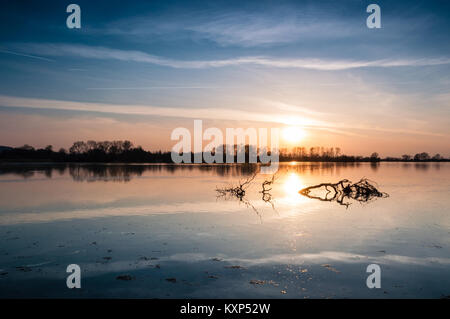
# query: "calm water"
157,222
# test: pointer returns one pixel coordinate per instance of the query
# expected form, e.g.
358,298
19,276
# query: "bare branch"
362,191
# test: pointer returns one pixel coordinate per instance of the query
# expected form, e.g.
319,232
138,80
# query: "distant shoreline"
125,152
2,162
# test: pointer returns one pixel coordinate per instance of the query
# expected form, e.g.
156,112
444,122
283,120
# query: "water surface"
159,222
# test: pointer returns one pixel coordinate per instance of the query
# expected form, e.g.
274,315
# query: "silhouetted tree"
127,145
78,147
26,147
406,157
422,156
374,157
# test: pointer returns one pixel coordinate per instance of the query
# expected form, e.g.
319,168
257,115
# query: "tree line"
334,154
126,152
90,151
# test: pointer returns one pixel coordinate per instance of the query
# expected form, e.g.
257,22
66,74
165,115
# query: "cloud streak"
200,113
129,109
25,55
281,25
105,53
261,29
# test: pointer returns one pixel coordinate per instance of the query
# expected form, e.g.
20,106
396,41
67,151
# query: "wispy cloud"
25,55
170,87
279,26
129,109
105,53
260,29
228,114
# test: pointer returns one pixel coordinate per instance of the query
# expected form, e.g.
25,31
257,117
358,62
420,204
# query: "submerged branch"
362,191
236,191
266,188
239,192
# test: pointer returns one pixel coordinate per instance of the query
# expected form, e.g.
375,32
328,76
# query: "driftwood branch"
266,188
362,191
236,191
239,192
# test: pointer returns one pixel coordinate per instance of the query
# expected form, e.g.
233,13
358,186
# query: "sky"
137,70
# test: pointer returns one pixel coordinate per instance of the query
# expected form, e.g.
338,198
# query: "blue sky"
140,69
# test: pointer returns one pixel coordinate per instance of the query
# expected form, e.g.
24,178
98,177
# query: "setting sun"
293,134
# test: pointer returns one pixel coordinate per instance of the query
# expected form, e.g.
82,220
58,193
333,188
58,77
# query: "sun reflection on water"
291,185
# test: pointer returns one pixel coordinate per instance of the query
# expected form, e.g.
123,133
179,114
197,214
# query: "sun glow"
293,134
